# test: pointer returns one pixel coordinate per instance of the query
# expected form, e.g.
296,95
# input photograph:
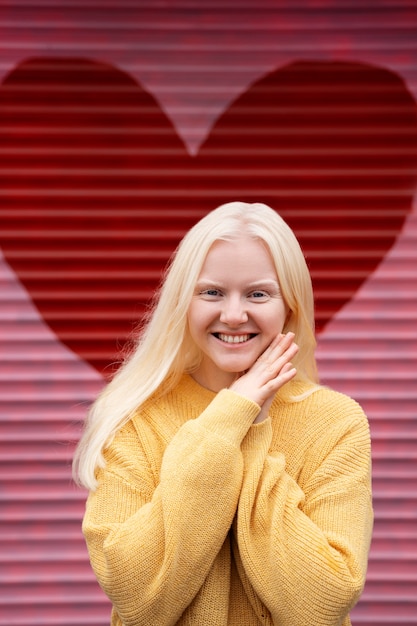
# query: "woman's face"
236,311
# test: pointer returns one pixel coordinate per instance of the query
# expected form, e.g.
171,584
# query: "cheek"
278,319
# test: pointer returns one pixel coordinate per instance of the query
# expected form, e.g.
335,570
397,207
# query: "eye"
259,295
210,293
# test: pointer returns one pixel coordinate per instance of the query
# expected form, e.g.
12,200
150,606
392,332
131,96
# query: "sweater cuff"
229,415
259,437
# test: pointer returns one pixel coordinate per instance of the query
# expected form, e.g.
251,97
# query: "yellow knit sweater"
202,518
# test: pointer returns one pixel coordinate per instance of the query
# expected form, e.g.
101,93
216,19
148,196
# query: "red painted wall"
121,123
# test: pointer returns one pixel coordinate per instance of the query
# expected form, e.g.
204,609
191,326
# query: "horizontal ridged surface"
120,126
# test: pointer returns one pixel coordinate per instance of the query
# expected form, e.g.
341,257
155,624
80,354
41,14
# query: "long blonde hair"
164,349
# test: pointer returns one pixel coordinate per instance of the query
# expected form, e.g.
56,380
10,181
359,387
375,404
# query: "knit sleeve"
304,550
152,547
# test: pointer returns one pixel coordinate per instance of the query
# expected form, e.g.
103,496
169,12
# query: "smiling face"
236,311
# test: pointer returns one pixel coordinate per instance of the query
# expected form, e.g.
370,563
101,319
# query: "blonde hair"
165,350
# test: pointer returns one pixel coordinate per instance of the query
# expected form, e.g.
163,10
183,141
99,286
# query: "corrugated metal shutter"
97,186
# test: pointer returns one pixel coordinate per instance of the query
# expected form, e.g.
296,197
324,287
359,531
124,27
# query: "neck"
213,381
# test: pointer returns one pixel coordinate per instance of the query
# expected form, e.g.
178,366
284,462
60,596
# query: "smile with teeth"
233,338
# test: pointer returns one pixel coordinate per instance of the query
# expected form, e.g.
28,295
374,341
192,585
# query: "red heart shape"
97,188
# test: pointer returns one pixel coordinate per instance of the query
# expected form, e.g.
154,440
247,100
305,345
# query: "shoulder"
315,423
320,411
339,403
309,396
123,447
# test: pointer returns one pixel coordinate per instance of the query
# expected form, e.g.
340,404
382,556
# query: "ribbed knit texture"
202,518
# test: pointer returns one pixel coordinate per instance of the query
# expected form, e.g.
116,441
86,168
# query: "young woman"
227,487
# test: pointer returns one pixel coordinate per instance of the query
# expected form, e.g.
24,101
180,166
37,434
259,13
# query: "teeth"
234,338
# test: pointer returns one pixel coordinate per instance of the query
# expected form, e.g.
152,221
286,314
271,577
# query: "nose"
233,311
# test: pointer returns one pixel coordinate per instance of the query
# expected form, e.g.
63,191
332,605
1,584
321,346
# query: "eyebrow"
264,283
268,284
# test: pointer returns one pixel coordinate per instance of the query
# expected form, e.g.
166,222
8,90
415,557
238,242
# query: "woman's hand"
270,372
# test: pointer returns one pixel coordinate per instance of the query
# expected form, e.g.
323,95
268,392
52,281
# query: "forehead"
242,258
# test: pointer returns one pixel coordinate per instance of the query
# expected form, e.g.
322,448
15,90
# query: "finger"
276,360
277,347
288,368
273,345
280,345
286,374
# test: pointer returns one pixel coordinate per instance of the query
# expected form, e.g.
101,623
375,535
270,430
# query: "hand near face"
268,374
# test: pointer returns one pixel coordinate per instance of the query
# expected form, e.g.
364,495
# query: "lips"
235,339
